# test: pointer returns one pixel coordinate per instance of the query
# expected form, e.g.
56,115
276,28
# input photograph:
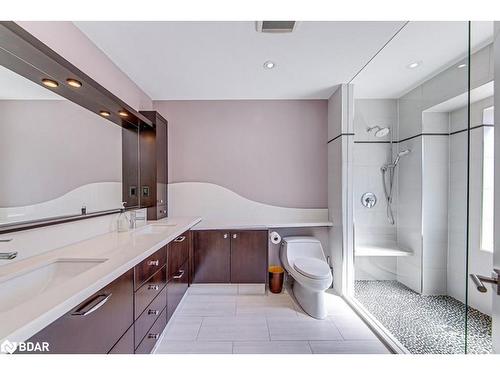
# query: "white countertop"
122,251
242,225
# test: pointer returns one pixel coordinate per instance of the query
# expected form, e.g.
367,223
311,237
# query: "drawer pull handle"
153,287
153,312
225,235
90,307
154,336
235,236
180,239
179,274
153,262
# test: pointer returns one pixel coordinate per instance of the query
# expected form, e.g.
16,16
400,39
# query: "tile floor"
426,324
228,319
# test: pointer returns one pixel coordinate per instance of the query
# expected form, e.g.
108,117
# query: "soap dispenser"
123,223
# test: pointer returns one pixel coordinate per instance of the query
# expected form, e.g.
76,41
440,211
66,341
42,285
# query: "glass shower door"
410,173
481,297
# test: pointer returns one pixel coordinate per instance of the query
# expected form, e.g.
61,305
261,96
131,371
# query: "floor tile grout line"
310,347
199,328
268,329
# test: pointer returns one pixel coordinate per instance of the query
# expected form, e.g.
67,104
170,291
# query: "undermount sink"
153,229
15,290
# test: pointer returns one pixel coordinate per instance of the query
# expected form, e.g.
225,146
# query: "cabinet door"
147,147
249,256
178,254
176,289
212,254
161,168
126,343
95,325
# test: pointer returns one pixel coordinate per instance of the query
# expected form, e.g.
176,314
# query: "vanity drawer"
149,266
151,288
95,325
153,335
148,317
126,343
176,288
178,254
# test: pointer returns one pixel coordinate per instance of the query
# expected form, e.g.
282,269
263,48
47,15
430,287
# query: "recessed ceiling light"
461,66
123,113
74,83
414,65
104,113
50,82
269,64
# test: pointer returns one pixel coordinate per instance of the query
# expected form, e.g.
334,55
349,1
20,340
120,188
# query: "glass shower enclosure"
422,197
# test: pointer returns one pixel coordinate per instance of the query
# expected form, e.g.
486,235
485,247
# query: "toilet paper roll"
275,238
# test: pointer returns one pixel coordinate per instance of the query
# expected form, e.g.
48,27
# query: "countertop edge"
204,225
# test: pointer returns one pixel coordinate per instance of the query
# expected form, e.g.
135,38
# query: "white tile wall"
480,262
435,213
372,226
409,213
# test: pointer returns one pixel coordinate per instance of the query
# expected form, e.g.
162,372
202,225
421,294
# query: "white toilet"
304,260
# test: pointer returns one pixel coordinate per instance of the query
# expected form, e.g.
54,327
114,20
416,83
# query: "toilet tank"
302,247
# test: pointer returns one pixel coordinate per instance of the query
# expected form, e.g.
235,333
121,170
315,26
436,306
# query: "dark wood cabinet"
97,324
146,320
176,288
148,291
130,165
151,338
230,256
178,270
128,315
149,266
147,163
154,165
249,256
178,254
126,343
211,256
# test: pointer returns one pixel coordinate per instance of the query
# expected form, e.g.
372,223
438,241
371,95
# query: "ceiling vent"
276,26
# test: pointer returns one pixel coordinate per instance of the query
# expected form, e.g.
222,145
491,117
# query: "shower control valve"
368,200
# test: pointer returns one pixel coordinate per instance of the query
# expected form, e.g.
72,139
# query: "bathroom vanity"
230,256
119,304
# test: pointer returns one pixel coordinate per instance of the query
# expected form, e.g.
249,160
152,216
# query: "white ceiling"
15,87
435,44
224,60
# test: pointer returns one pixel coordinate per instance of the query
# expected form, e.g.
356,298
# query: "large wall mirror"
60,160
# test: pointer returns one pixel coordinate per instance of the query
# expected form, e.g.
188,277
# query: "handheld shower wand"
388,183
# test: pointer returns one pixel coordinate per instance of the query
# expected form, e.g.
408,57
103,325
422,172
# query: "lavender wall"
269,151
50,147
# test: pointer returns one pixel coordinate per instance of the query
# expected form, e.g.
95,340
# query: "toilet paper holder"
275,237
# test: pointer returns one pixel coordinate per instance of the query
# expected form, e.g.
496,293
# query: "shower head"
379,131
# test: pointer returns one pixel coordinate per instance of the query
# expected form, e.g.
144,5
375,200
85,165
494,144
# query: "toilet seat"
311,267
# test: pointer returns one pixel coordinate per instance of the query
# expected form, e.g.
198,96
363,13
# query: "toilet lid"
311,267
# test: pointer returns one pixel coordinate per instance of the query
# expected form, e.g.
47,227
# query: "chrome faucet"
133,219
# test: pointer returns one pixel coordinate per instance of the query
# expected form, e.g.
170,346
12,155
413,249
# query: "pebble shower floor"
425,324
